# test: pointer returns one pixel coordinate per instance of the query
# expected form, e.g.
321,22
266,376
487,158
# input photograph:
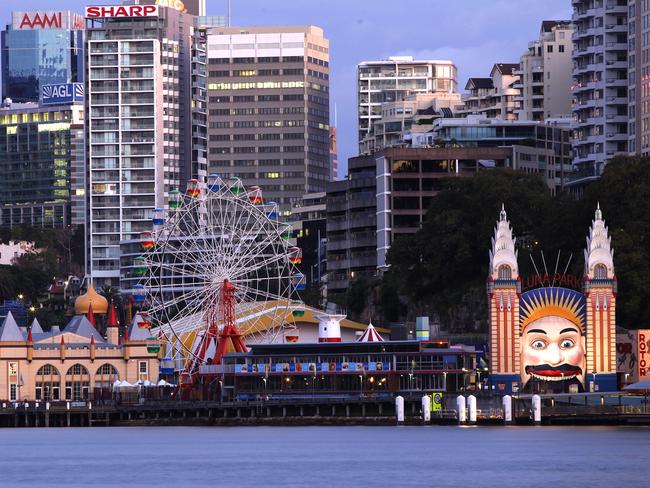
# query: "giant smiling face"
553,350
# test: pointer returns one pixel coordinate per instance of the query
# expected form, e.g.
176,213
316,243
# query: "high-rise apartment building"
39,48
393,80
545,73
600,89
494,97
268,118
42,164
145,121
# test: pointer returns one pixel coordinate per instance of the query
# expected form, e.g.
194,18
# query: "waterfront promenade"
586,408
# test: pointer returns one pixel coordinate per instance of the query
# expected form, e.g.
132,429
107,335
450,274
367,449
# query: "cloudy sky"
473,33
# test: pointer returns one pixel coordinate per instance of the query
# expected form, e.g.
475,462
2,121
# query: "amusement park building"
146,121
268,121
73,364
349,368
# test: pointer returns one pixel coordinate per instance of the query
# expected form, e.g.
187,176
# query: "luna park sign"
553,279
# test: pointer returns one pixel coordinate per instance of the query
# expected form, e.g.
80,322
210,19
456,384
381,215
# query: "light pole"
264,380
444,383
360,385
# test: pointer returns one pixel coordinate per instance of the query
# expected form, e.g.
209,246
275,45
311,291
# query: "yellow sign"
436,402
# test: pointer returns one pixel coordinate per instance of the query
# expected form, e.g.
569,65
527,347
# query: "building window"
48,381
143,369
549,48
505,273
600,272
560,48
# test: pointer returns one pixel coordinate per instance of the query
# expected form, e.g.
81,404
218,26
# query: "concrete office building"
600,90
268,121
41,47
42,165
393,80
351,225
545,73
144,123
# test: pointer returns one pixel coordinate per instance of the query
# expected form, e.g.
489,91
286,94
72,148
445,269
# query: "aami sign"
62,93
96,12
46,19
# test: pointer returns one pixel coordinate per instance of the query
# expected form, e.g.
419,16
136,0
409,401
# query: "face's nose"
553,354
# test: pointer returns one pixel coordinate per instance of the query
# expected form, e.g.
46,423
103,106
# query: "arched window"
47,383
105,376
505,273
77,383
600,272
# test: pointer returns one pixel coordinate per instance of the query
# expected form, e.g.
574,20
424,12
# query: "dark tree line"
441,270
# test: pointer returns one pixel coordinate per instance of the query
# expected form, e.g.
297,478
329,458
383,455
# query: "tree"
442,267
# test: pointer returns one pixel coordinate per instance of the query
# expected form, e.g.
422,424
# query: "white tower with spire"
504,287
600,289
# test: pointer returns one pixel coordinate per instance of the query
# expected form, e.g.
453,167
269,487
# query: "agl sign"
96,12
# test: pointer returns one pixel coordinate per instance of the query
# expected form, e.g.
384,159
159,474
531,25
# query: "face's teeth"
553,378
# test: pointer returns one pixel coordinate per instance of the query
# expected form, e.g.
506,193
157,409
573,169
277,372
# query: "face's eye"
567,344
538,344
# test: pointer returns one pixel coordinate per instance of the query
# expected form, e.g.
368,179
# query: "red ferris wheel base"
229,335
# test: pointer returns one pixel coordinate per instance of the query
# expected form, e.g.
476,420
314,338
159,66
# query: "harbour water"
436,456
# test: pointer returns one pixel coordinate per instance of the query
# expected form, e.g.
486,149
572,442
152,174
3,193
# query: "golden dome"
82,303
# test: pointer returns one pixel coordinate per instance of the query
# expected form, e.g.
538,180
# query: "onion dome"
82,303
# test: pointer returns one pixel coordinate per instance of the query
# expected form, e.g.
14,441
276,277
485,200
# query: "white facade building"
600,96
494,97
393,80
140,119
15,249
545,73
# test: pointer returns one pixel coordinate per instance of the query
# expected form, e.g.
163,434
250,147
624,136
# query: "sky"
474,34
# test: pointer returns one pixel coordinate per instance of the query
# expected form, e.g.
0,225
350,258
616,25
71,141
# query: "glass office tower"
40,48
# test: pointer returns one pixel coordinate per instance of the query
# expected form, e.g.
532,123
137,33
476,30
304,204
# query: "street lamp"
360,385
444,377
264,380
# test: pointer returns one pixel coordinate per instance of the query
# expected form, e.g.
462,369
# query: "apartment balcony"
616,82
616,119
582,33
614,8
617,136
616,46
616,64
590,103
616,28
614,100
585,68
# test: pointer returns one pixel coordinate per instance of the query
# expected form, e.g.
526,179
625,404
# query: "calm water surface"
324,456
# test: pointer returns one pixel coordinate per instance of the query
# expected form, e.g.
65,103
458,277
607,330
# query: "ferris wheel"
218,259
